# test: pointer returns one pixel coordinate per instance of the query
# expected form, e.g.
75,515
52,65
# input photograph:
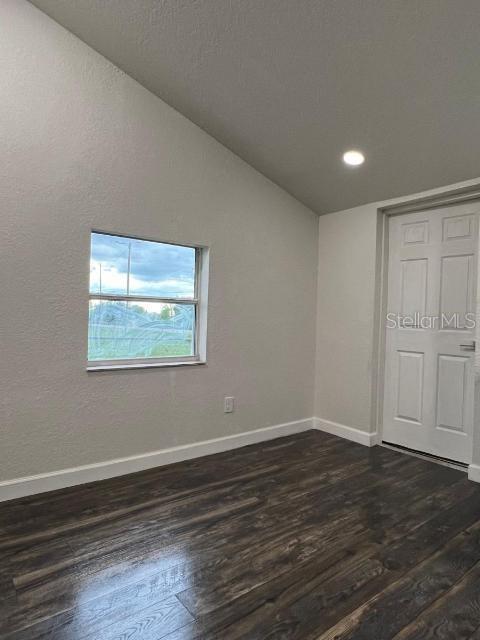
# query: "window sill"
144,365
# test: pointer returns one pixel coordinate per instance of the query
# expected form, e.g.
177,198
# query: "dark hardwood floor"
308,536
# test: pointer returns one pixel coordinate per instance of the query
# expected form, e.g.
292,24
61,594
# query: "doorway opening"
426,377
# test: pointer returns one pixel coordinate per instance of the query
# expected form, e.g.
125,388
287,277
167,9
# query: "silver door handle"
470,346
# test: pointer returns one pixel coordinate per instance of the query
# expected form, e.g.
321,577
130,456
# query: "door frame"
449,197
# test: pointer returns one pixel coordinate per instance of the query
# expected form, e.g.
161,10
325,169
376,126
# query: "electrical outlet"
228,404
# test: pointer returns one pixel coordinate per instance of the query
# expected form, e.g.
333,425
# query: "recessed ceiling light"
353,158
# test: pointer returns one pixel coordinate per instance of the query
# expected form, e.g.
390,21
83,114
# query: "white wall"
348,267
345,306
84,146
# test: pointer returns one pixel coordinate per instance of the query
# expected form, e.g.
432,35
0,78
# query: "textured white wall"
345,308
84,146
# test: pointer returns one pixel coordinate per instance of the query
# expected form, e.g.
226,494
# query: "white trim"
379,330
445,197
144,364
474,472
20,487
349,433
132,297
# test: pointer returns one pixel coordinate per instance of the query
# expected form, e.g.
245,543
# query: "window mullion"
133,298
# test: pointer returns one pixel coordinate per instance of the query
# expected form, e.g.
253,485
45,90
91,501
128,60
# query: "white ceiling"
289,85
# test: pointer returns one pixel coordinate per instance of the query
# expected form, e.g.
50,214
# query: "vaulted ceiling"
289,85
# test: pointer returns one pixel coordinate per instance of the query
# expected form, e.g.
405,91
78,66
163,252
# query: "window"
147,303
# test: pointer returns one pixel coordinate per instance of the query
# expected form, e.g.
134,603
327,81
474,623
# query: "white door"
429,376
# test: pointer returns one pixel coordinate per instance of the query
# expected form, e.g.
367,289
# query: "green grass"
183,348
110,344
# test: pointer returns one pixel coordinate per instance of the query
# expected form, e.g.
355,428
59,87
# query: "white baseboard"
341,430
30,485
474,472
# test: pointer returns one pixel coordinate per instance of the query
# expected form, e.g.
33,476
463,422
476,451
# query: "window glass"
127,266
135,329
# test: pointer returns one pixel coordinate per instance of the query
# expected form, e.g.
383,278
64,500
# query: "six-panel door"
429,382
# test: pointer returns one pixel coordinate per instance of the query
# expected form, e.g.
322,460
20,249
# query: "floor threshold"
446,462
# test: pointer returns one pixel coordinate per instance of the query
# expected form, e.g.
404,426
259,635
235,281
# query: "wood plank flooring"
305,537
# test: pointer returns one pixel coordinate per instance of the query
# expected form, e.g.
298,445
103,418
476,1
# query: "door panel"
457,287
451,392
414,286
458,227
415,232
410,386
428,404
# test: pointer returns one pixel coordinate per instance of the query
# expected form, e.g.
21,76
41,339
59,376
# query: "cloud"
155,268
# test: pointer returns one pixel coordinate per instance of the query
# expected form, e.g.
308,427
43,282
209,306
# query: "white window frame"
199,301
